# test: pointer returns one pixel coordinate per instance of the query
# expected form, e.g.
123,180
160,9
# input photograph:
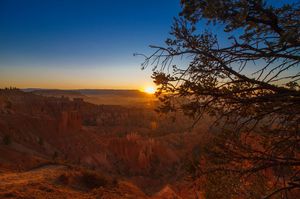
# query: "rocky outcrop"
166,193
142,155
69,121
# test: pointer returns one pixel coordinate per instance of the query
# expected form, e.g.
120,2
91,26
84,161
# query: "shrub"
90,122
8,104
64,179
6,140
41,141
93,180
85,179
55,155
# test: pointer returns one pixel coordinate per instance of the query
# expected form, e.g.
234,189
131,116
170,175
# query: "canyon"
139,148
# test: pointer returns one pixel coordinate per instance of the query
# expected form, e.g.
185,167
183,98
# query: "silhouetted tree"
249,82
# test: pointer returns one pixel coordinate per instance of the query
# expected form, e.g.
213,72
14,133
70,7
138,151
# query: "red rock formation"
69,121
166,193
141,155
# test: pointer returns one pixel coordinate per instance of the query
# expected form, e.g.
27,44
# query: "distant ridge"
31,89
85,92
110,92
55,92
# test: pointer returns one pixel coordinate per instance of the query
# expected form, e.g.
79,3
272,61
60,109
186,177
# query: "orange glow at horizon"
73,77
150,90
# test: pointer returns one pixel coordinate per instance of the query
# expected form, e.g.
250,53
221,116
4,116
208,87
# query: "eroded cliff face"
141,156
69,121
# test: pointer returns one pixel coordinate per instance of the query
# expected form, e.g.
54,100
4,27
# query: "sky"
75,44
70,44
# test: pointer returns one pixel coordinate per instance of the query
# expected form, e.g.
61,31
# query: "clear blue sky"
80,43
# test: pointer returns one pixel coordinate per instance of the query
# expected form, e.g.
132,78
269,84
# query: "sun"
150,90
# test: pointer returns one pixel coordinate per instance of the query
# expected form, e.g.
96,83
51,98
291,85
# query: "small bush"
55,155
85,179
93,180
8,105
64,179
6,140
90,122
41,141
